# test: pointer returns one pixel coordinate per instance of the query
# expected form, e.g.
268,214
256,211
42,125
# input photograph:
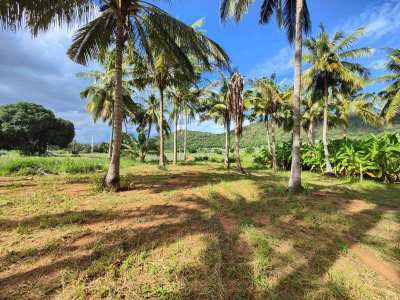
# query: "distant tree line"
31,128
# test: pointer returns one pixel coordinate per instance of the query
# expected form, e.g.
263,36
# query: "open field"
198,232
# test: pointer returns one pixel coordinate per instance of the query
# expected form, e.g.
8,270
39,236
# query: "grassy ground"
198,232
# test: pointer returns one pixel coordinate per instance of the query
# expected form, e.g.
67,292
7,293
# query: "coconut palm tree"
311,116
145,27
151,115
236,109
100,104
214,106
136,22
184,101
100,95
144,117
190,107
331,71
391,94
265,100
293,16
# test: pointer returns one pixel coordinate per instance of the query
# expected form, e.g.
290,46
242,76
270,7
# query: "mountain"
254,135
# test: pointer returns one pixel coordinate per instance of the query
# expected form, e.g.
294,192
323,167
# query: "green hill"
254,135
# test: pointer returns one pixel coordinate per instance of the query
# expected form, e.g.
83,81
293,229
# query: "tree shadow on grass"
223,270
109,246
176,181
304,221
91,252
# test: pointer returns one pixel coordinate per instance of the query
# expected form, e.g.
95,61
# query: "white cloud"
281,63
379,20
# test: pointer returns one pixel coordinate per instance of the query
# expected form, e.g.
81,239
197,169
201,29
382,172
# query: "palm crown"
285,13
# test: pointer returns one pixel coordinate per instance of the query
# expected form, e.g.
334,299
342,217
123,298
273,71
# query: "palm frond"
39,15
89,40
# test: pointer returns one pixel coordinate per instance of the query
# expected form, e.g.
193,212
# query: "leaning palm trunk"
235,100
328,166
112,179
227,142
161,125
311,133
175,158
185,138
273,144
295,172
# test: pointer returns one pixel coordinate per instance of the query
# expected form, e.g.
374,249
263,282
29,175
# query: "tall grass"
27,165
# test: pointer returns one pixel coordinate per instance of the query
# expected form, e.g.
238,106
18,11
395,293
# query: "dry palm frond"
235,101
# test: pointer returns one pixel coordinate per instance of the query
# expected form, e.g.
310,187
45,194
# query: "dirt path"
387,273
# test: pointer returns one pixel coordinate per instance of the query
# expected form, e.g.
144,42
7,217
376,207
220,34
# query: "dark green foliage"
375,157
31,128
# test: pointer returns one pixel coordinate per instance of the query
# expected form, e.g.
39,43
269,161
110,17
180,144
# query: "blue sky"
38,70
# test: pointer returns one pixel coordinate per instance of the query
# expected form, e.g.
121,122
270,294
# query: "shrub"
263,157
97,182
201,158
376,157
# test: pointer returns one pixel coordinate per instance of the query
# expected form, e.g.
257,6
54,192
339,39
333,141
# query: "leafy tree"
293,16
332,72
31,128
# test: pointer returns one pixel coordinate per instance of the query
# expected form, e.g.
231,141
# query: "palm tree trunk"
227,142
295,174
311,133
274,159
238,162
112,179
268,136
328,166
161,125
185,137
175,159
110,146
148,136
